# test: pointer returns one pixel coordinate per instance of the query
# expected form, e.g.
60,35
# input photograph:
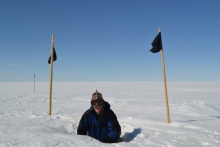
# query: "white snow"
139,106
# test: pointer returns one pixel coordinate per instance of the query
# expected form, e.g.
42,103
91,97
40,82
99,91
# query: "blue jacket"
100,126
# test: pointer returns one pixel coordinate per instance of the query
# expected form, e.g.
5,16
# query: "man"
99,121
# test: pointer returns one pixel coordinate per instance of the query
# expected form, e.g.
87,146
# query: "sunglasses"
98,102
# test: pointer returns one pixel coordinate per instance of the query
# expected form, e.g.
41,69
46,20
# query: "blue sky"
109,40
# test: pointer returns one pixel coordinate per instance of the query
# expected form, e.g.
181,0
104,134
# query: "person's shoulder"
111,113
86,113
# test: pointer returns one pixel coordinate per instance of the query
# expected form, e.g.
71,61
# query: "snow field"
140,108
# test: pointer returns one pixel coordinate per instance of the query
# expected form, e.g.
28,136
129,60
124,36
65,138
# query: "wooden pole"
51,75
165,84
34,83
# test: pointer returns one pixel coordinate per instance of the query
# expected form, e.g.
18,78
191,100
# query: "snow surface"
139,106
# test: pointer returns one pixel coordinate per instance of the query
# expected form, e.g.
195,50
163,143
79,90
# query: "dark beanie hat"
97,96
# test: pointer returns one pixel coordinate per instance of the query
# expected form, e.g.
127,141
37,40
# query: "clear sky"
109,40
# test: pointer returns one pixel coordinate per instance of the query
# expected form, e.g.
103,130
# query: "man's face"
98,109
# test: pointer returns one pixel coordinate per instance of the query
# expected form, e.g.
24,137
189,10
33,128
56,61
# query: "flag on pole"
157,44
157,47
54,56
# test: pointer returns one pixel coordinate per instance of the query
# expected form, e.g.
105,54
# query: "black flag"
54,56
157,44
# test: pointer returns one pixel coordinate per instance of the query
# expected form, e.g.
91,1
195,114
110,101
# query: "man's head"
97,102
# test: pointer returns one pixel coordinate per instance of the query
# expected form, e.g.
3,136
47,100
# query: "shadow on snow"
130,136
